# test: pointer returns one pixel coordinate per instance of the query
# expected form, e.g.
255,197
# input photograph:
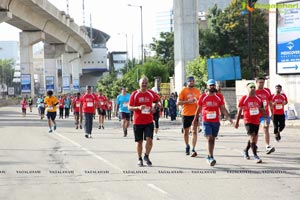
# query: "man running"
51,102
265,95
87,108
102,108
76,109
140,103
122,107
278,101
251,105
188,98
41,106
210,104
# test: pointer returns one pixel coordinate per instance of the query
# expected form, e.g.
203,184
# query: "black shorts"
76,113
51,115
23,110
252,128
101,112
125,116
142,131
187,121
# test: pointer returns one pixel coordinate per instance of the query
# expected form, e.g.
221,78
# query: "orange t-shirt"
185,94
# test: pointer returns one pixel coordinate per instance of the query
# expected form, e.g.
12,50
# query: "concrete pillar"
186,37
52,52
67,76
27,40
5,16
76,71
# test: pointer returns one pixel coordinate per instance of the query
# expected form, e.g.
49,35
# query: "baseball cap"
211,82
249,85
190,78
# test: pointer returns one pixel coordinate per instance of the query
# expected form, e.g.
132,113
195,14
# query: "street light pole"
142,41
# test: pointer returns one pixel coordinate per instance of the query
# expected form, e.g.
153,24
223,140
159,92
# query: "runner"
156,114
122,107
102,109
67,106
87,109
265,95
76,109
61,106
279,100
188,98
30,103
140,103
251,105
24,106
41,106
109,108
210,104
51,102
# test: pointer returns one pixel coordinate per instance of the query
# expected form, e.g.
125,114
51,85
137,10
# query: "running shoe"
80,126
147,160
90,135
194,153
246,155
257,159
187,150
125,132
54,127
270,149
277,137
211,161
140,162
99,127
86,135
50,131
102,127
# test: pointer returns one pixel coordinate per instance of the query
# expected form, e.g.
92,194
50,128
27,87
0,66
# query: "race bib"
101,103
278,106
125,105
254,111
146,110
89,104
77,105
211,115
50,107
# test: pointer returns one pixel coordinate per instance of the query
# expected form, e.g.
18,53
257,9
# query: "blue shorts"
210,128
262,120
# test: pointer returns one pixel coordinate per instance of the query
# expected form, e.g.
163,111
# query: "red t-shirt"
88,103
61,102
109,105
278,108
76,104
251,109
138,98
265,95
102,102
210,107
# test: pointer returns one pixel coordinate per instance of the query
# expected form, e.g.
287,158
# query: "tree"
228,34
198,69
164,50
6,71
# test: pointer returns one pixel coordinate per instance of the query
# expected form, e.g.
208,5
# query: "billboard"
25,83
288,38
49,83
66,83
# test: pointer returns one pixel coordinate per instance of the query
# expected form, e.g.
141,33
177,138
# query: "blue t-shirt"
123,101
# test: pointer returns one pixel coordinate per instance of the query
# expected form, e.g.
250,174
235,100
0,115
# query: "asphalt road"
35,164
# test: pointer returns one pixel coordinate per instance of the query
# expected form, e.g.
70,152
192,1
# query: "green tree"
164,50
198,69
6,71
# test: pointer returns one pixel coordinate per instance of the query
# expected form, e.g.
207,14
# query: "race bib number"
125,105
50,107
146,110
278,106
77,105
101,103
90,104
254,111
211,115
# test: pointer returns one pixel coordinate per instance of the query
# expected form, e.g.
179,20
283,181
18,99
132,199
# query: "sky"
113,17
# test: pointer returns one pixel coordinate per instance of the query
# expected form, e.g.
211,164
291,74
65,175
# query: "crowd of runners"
144,106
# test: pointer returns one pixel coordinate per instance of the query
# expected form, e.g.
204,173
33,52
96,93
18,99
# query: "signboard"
222,69
288,38
49,83
66,83
11,91
76,85
25,83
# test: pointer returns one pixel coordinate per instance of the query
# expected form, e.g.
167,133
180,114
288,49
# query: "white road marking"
89,152
157,188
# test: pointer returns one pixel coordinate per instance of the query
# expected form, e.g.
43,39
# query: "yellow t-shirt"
185,94
50,103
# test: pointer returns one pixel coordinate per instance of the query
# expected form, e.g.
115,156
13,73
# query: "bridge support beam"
27,40
69,65
52,54
186,38
5,16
